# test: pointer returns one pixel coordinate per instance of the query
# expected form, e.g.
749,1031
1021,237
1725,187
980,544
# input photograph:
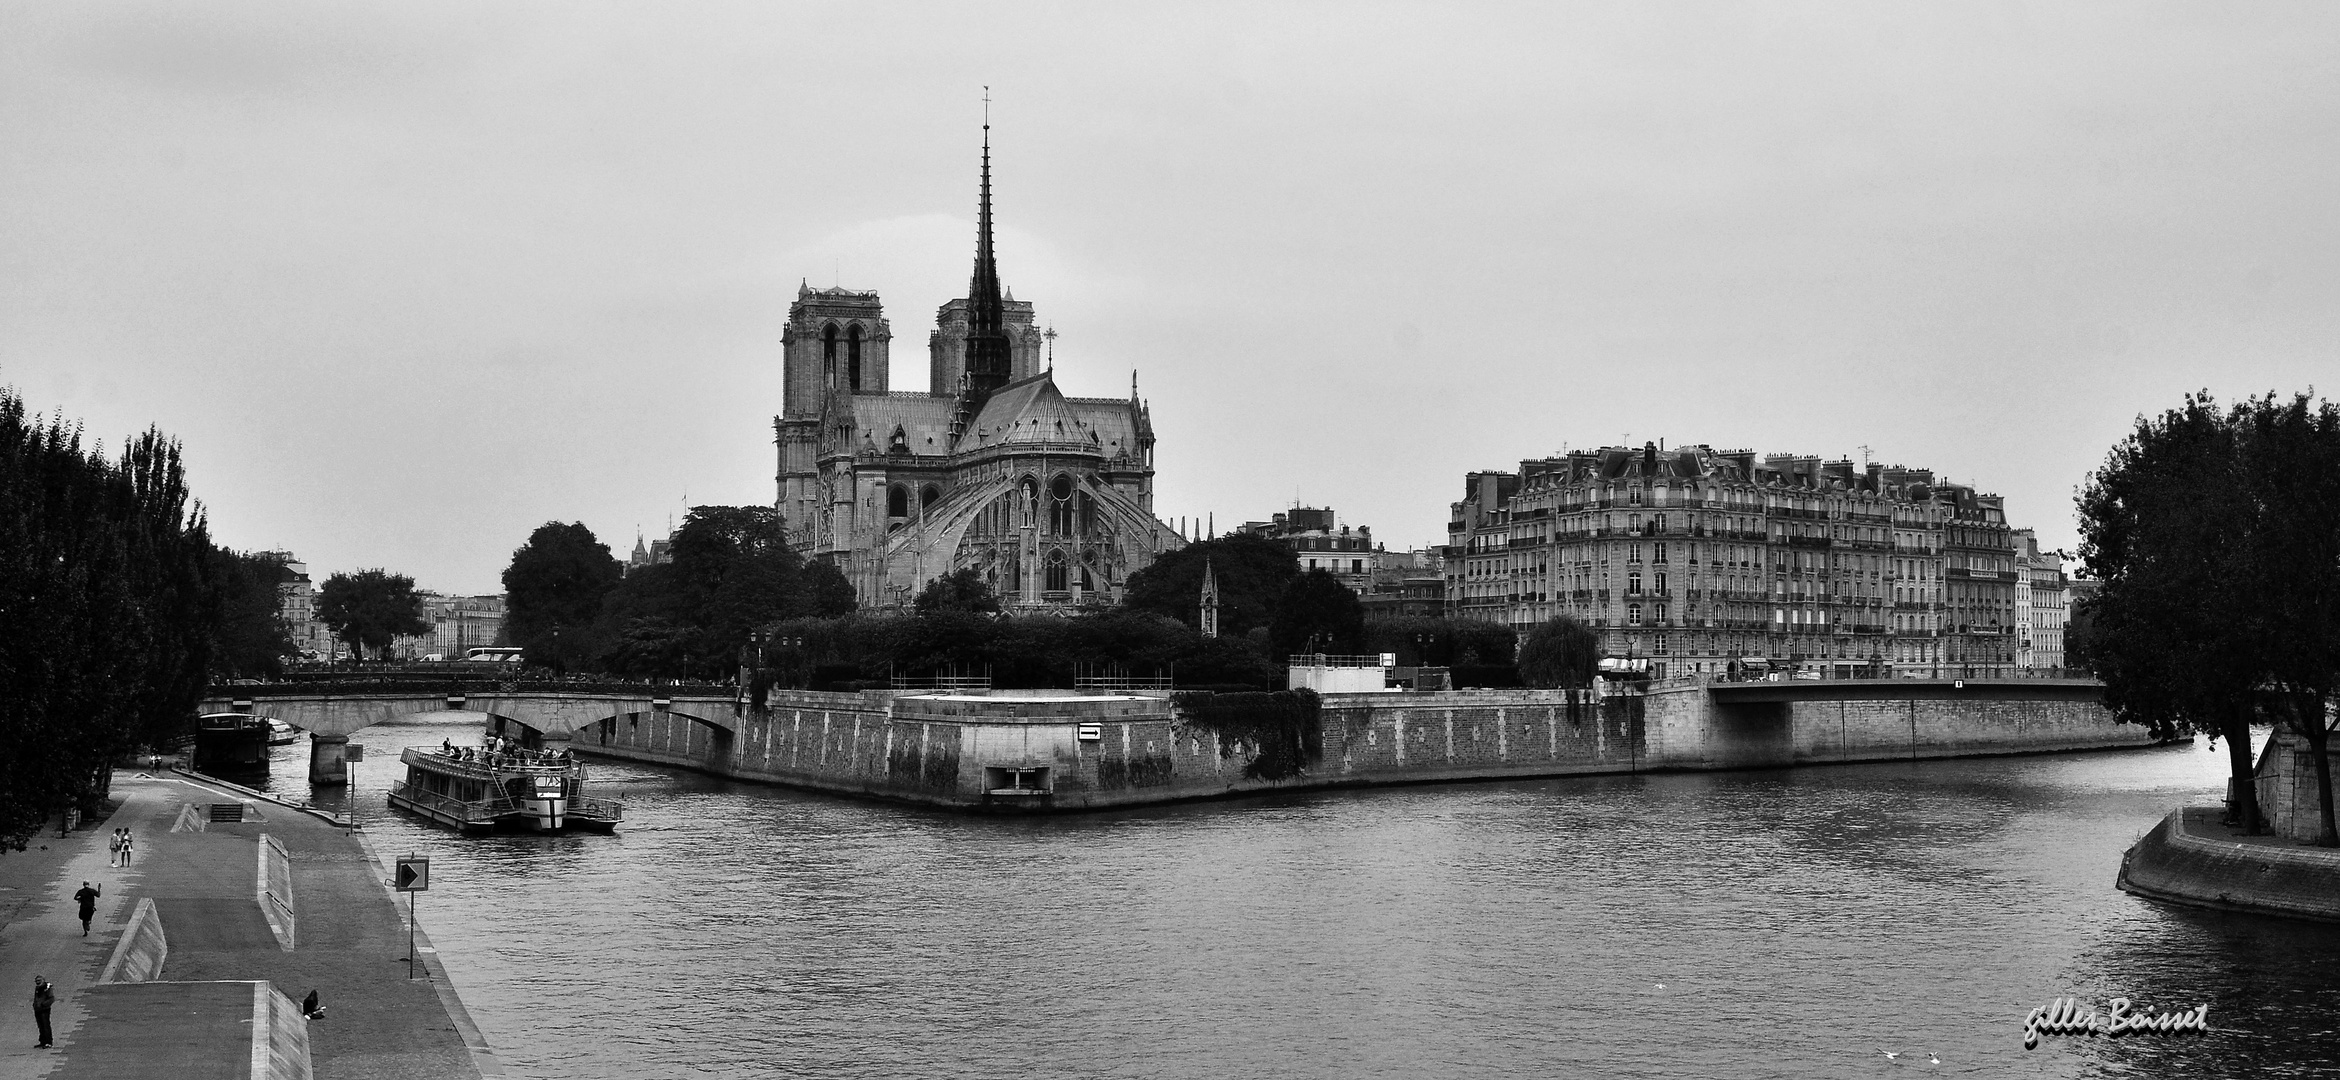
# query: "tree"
2290,459
1563,653
553,591
828,593
962,590
2214,533
735,573
369,609
108,610
1317,614
251,639
1252,573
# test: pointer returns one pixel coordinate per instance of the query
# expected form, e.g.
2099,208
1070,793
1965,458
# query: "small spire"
1051,336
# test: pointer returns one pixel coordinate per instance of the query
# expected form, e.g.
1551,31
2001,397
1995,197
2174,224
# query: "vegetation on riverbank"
2216,534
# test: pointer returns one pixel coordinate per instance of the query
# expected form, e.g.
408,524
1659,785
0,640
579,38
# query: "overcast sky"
409,280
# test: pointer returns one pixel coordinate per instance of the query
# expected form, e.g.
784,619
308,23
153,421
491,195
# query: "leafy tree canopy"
1317,613
2216,534
962,590
1252,573
370,608
1563,652
251,639
557,579
108,609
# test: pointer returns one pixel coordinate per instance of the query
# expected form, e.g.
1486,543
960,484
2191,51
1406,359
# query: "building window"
1057,571
1633,614
853,356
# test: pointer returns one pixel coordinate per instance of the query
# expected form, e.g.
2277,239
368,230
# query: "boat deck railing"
480,811
484,764
586,806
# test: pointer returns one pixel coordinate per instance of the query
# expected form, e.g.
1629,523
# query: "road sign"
353,752
414,873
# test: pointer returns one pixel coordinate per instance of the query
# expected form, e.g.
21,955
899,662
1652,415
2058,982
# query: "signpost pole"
413,876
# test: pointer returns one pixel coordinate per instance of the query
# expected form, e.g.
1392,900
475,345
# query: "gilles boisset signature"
2065,1016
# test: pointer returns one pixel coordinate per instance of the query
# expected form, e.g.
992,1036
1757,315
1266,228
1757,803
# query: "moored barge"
481,789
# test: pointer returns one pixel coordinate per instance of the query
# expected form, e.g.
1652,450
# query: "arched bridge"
331,715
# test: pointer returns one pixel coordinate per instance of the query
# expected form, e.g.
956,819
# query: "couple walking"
118,848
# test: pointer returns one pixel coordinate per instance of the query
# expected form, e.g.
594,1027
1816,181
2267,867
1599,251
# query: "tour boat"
480,789
281,733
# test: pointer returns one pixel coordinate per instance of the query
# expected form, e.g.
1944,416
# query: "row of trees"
2216,533
109,594
733,576
571,606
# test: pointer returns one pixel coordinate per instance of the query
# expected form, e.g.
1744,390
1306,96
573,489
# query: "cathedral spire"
989,356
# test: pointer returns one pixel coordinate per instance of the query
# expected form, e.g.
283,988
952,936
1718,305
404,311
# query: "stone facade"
1702,560
2042,607
1050,498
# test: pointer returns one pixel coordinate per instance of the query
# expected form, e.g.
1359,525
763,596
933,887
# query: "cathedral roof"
1032,411
925,420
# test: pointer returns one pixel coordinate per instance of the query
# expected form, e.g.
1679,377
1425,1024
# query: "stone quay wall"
2184,860
1099,751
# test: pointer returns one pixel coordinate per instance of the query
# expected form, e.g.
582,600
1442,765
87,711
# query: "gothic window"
853,356
829,352
1057,571
897,501
929,496
1060,505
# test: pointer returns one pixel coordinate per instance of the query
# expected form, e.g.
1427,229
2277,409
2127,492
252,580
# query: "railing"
482,810
602,809
1333,661
353,686
941,682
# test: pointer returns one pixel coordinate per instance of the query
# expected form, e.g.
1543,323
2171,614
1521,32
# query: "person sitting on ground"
309,1007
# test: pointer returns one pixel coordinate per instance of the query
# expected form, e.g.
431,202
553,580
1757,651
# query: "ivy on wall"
1283,730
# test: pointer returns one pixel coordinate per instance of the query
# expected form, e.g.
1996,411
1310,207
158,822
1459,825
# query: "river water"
1785,923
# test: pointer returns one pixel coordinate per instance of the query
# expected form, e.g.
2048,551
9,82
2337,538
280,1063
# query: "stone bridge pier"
328,761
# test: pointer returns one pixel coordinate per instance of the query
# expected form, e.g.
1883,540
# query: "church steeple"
990,359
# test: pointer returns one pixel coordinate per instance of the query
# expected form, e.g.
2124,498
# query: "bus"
496,655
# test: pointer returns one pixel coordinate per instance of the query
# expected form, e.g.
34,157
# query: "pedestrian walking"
127,843
114,849
43,997
88,897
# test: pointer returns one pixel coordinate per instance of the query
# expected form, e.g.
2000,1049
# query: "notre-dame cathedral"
1050,498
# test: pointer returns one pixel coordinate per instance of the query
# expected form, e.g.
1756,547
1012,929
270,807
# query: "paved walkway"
350,938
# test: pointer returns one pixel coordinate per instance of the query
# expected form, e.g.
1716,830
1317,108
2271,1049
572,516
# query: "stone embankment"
2192,857
234,908
1036,750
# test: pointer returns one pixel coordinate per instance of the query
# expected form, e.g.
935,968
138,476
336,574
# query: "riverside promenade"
226,951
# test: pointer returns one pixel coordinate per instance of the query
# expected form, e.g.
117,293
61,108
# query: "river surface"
1784,923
